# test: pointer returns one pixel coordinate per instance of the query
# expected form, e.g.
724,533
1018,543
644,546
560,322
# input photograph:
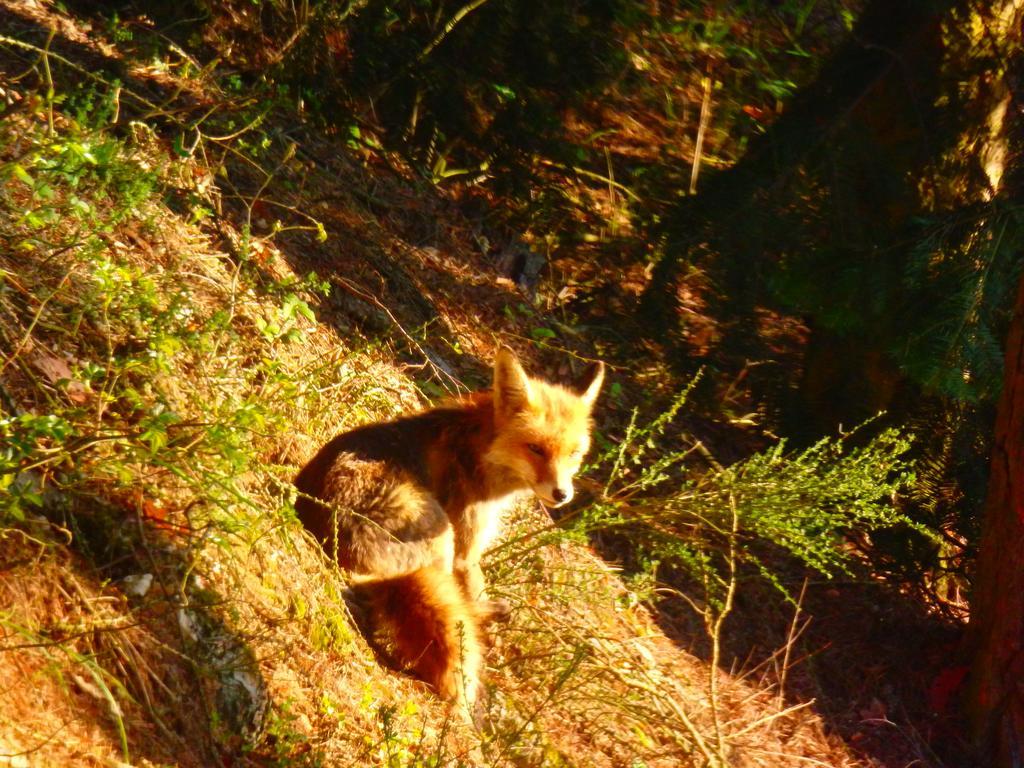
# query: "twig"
50,92
5,40
791,637
596,176
791,756
771,718
9,756
452,23
677,710
611,189
359,293
35,320
714,625
705,116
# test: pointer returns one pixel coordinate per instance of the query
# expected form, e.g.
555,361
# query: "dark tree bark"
995,691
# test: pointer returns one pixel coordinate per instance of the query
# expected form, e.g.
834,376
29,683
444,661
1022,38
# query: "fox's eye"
534,448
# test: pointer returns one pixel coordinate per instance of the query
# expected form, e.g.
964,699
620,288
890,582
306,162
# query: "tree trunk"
996,689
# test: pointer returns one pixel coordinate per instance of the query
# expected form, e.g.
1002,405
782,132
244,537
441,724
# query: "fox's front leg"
469,574
471,537
471,579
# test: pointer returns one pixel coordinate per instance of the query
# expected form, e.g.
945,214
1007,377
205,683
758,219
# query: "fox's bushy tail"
436,631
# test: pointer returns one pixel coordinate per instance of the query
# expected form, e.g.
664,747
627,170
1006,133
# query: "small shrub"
807,503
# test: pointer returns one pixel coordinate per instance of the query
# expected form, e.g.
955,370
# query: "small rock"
137,585
188,625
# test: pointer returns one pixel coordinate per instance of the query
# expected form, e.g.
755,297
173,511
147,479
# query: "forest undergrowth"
197,289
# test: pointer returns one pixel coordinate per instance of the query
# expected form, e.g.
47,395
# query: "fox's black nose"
559,495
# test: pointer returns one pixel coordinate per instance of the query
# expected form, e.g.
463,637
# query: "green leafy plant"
807,503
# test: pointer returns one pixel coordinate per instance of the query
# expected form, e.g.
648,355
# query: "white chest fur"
490,519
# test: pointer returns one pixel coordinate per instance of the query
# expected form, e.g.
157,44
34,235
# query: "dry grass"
242,650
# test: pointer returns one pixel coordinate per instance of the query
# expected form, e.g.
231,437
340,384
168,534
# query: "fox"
408,507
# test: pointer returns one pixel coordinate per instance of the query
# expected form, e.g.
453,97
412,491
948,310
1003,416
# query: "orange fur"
435,630
409,506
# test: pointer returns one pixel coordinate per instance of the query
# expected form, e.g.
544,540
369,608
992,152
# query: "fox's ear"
590,386
511,384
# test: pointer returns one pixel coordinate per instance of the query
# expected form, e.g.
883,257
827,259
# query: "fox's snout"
555,494
550,472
